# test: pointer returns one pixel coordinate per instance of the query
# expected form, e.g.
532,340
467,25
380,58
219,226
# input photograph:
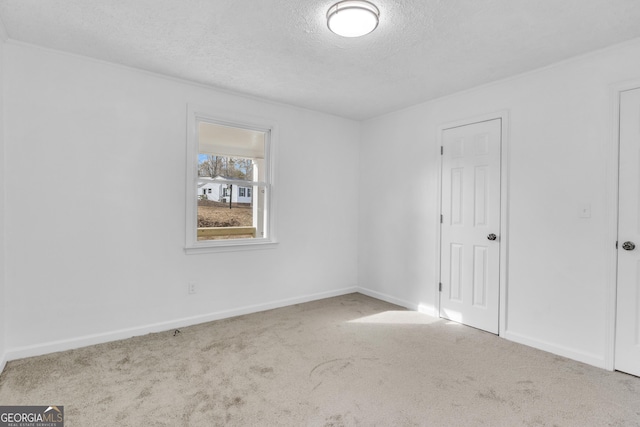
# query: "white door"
627,350
470,225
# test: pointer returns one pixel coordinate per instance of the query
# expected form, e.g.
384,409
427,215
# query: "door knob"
494,237
628,246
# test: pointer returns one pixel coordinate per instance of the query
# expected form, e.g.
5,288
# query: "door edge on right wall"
614,250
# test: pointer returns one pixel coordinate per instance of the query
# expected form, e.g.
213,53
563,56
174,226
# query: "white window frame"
195,115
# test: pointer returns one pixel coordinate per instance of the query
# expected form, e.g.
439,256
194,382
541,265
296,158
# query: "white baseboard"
387,298
570,353
397,301
72,343
69,344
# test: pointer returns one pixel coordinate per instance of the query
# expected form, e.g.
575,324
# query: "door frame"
503,115
613,188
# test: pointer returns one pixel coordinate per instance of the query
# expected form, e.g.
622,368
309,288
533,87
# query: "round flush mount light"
352,18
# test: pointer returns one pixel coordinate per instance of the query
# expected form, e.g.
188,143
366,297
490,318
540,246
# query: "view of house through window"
231,184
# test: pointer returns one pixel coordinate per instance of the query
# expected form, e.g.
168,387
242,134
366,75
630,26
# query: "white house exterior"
219,189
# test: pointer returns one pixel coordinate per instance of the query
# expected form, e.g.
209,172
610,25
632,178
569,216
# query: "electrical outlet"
585,210
191,288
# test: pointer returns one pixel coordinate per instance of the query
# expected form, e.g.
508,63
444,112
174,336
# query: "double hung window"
232,161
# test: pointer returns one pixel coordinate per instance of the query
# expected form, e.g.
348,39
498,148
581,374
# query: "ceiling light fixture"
352,18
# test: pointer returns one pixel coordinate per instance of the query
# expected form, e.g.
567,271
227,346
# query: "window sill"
235,246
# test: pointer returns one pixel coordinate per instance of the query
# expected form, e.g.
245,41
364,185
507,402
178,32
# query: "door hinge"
441,218
441,150
440,287
616,244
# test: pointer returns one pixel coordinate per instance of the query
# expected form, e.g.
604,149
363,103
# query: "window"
232,158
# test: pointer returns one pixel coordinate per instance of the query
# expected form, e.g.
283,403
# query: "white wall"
91,257
559,141
3,302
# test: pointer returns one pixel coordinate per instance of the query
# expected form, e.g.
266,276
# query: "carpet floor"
344,361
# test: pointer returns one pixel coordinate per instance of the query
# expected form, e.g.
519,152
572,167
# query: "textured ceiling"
282,50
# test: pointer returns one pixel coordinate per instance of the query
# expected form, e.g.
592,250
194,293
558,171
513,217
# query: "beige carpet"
346,361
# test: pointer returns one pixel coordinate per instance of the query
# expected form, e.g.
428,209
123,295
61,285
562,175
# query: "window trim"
196,114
